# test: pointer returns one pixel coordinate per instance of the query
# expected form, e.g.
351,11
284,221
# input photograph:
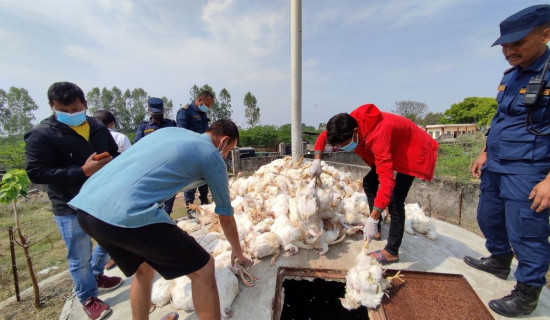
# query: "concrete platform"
417,253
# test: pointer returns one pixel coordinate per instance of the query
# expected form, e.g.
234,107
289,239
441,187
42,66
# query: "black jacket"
55,154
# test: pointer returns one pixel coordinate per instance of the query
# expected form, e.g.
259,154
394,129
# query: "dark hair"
104,117
205,94
65,93
340,128
224,127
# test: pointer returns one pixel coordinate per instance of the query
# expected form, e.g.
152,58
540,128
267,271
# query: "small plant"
14,185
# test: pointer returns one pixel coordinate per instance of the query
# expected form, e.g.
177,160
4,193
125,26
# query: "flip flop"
170,316
378,256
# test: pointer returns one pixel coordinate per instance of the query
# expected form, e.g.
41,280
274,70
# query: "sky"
353,51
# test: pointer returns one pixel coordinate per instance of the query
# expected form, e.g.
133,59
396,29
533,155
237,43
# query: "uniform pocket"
533,224
516,147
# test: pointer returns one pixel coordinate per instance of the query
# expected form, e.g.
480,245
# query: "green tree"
259,137
12,153
16,111
14,185
129,108
168,107
472,110
222,109
136,104
433,118
251,111
412,110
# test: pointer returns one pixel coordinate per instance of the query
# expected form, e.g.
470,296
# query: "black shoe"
497,265
523,300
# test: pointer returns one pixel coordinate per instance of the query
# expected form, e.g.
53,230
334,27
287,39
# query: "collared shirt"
190,117
130,190
147,127
511,148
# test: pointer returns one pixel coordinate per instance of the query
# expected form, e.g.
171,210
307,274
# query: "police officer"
515,164
194,117
156,121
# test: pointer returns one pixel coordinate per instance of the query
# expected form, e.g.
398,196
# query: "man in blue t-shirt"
121,207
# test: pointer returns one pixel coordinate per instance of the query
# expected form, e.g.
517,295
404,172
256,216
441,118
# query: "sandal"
170,316
153,307
379,256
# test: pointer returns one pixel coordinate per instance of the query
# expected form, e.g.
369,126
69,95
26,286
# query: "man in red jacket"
388,143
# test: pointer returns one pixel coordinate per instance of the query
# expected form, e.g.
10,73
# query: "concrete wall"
446,200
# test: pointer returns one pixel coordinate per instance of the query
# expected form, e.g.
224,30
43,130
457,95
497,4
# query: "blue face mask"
203,108
351,145
71,119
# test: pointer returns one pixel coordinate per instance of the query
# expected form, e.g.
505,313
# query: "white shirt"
121,140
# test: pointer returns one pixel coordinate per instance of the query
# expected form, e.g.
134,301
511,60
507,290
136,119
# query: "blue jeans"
84,265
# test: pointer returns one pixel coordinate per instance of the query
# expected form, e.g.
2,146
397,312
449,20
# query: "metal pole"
296,78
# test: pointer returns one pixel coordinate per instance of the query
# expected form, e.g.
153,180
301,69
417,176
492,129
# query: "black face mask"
157,116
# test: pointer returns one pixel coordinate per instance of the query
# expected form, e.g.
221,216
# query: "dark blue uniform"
517,159
146,127
191,118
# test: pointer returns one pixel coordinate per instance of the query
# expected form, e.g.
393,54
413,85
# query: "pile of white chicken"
280,206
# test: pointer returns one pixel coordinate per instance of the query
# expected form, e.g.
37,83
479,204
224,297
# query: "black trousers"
396,207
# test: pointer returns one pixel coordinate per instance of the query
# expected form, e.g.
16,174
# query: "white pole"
296,78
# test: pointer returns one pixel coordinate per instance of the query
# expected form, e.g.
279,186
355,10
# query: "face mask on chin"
203,108
351,145
71,119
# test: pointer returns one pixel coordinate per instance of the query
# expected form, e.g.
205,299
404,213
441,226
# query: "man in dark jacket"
194,117
60,153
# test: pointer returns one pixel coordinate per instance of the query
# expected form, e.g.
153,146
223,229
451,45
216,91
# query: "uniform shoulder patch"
185,107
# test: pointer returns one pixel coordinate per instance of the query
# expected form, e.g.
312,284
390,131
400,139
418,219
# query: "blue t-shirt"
131,189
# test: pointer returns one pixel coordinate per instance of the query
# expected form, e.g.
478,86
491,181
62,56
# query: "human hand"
243,261
478,164
370,229
91,166
315,168
541,195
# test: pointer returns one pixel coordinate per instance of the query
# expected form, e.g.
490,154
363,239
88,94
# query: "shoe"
110,264
95,308
105,283
521,301
496,265
170,316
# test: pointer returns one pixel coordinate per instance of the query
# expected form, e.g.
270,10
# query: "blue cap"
518,25
155,105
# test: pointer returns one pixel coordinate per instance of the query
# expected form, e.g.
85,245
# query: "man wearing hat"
156,121
515,165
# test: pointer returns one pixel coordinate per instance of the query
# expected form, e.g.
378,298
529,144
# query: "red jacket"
392,143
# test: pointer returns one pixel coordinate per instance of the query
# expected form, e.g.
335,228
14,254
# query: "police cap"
518,25
155,105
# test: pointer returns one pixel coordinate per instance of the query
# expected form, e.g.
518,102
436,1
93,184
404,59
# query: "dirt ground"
52,298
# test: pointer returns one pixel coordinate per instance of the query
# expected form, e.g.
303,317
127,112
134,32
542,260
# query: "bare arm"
231,232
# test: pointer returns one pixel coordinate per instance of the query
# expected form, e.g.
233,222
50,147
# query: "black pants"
203,194
169,204
396,207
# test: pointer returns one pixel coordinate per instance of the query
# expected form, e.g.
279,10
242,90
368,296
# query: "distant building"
452,130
